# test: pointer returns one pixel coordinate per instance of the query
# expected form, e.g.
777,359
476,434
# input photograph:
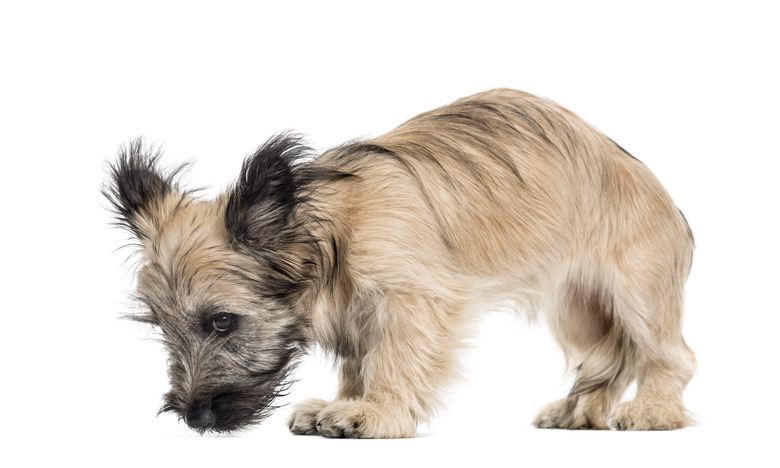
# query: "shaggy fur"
383,251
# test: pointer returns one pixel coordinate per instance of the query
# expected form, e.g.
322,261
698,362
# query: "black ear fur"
136,182
260,206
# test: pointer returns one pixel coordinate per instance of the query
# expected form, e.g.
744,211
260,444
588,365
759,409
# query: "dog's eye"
222,323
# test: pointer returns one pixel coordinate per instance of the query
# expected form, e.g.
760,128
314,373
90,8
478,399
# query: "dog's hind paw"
554,415
567,414
303,421
638,415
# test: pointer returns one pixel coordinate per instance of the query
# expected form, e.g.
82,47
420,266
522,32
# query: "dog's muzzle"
201,418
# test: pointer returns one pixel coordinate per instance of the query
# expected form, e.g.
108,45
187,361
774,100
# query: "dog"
383,252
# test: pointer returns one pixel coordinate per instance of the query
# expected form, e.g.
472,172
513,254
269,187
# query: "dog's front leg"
408,355
304,419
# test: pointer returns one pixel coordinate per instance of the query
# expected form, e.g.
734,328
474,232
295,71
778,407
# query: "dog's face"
213,288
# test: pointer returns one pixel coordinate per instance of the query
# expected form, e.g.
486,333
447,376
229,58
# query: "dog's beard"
243,403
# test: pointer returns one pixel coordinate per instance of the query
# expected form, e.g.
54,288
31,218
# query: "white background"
690,88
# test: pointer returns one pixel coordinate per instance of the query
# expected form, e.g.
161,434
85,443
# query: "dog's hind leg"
633,324
604,360
664,368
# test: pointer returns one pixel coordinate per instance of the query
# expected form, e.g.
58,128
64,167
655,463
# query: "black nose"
201,418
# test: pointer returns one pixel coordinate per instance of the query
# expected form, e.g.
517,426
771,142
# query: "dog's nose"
201,418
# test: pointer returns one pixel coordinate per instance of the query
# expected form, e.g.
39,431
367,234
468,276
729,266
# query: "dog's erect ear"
261,204
137,188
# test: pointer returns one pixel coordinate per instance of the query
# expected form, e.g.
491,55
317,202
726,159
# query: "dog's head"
218,279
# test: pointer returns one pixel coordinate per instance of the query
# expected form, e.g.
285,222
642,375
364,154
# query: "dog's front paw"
304,418
364,420
341,419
